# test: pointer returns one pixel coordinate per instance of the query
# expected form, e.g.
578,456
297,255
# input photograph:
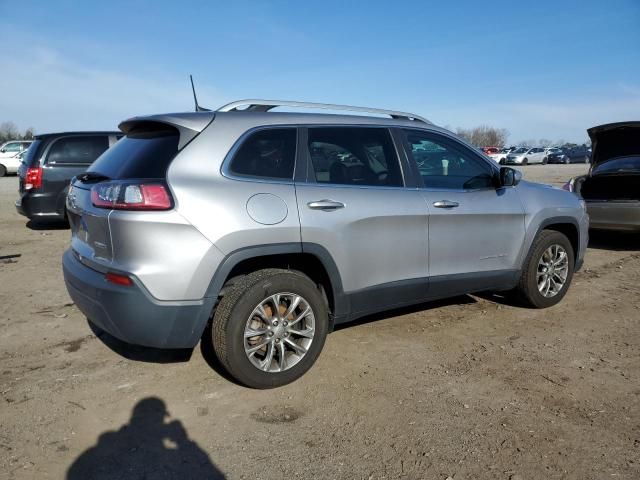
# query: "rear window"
139,155
32,153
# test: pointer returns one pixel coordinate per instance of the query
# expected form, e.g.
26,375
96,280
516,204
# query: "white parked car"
10,155
501,155
526,156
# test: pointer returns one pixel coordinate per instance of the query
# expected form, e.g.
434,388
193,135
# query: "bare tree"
9,131
484,136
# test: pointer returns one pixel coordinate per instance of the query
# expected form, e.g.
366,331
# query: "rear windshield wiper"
91,176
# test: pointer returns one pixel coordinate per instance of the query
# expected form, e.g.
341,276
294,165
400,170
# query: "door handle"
325,205
445,204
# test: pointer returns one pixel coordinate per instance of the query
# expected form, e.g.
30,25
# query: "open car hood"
614,140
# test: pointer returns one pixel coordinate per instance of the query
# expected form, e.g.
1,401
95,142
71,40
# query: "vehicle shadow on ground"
138,353
618,241
149,446
47,225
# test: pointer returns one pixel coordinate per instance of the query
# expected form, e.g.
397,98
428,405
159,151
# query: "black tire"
3,170
545,160
567,161
527,289
237,305
586,159
525,161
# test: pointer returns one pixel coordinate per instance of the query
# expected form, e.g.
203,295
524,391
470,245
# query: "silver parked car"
277,226
611,189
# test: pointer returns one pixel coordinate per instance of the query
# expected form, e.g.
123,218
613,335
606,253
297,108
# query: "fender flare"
341,304
542,226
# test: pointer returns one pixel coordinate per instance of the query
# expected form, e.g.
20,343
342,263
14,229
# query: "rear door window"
354,156
146,154
77,150
268,153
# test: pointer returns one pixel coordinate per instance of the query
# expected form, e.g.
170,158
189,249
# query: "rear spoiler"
189,125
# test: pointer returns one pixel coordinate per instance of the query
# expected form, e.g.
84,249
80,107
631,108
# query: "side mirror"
509,177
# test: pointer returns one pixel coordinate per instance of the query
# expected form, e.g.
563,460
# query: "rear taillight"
131,196
33,178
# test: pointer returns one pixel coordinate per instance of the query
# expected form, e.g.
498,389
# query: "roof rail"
266,105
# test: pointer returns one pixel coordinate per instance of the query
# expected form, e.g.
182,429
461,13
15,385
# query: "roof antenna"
195,99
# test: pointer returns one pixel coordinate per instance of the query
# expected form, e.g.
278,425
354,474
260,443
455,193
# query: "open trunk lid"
143,155
614,140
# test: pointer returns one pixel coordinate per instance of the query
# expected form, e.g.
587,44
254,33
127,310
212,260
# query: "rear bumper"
36,205
621,216
130,313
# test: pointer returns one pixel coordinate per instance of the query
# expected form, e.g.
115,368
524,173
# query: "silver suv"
277,226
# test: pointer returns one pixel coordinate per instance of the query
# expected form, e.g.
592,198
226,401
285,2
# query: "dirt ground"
467,388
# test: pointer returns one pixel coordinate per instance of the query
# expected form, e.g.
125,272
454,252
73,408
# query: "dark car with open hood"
611,189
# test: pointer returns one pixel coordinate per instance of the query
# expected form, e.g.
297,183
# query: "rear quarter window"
77,150
268,153
139,155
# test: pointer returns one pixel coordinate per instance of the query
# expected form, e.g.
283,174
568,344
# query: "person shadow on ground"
147,447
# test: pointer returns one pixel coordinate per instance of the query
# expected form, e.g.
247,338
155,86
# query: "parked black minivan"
47,168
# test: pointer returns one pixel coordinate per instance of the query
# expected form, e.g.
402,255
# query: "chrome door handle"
325,205
445,204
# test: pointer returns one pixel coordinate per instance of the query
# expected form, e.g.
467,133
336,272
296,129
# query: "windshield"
521,150
619,165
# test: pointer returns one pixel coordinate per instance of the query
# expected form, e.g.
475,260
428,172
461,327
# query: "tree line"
487,136
9,131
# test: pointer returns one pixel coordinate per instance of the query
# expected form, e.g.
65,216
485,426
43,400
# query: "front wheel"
270,327
545,160
3,170
548,270
525,161
586,159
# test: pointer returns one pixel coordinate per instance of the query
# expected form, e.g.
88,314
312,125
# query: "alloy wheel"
553,269
279,332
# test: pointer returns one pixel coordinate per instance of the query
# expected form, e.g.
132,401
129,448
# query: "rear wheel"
3,170
270,327
567,160
545,160
548,270
586,159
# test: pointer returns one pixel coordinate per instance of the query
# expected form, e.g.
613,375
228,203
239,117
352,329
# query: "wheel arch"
311,259
568,226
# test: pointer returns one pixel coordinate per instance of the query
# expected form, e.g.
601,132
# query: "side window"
443,164
354,156
12,147
268,153
77,150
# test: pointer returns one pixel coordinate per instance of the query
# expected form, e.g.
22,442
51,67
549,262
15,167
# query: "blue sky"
543,69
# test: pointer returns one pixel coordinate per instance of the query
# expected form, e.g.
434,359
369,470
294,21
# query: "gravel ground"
465,388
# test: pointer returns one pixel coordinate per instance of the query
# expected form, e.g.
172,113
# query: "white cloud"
53,93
